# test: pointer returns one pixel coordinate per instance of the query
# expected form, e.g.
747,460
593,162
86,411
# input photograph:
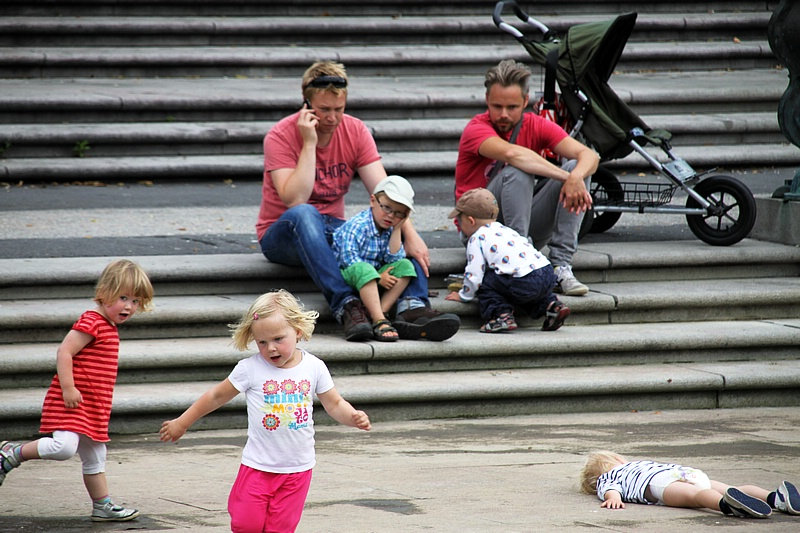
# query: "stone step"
397,8
140,408
421,143
607,303
361,60
211,358
198,296
102,31
224,274
88,100
229,138
433,164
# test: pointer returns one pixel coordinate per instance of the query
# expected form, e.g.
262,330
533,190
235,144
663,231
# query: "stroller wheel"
605,190
730,217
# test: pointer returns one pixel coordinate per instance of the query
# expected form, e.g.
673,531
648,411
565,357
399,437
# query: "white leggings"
64,444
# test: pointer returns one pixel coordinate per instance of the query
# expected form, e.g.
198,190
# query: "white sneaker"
567,283
7,458
787,499
112,513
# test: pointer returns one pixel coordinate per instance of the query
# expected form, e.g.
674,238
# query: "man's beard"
504,127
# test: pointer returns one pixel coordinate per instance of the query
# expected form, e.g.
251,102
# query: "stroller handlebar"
497,17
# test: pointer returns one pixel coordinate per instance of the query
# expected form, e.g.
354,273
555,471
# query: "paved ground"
510,474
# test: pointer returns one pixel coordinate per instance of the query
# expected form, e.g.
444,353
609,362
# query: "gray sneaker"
113,513
567,283
8,460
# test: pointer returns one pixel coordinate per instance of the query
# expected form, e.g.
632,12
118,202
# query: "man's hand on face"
307,124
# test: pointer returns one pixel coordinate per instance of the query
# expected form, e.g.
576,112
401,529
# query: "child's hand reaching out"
453,297
613,500
361,420
171,431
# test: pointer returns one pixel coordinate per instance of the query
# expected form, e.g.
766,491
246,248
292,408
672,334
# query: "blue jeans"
531,293
302,236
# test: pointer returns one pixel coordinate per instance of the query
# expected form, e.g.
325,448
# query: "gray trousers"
538,216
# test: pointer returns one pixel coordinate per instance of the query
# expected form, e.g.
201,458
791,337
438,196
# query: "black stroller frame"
720,210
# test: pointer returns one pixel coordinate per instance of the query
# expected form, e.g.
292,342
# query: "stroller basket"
637,194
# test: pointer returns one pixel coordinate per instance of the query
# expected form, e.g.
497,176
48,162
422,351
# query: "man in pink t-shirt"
548,212
310,160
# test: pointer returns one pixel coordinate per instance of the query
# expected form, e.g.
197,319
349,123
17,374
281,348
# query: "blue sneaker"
787,499
744,505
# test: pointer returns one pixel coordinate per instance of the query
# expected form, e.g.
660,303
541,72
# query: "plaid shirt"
359,241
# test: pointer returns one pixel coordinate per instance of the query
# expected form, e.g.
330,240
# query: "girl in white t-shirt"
279,383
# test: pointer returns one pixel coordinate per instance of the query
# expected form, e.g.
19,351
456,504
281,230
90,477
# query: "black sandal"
380,330
556,314
495,325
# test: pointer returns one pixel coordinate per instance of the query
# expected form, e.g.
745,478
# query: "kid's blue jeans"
532,293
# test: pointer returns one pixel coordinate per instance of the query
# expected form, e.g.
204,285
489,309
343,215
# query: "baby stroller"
720,210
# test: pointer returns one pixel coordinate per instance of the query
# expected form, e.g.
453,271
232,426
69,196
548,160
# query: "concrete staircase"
176,90
109,91
666,325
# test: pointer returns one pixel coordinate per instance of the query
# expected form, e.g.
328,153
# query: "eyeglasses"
389,211
322,82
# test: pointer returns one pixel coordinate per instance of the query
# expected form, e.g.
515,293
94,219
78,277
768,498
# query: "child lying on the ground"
617,480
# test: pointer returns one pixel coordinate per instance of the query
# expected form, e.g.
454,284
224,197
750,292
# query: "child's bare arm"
211,400
73,342
396,238
341,410
613,500
415,247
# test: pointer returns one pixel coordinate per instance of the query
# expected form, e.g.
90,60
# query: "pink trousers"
266,502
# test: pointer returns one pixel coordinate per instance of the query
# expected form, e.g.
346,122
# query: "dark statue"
783,33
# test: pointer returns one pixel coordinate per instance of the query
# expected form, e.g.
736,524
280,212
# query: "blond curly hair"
279,301
124,276
598,463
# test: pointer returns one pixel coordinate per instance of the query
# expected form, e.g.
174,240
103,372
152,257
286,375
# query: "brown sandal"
382,330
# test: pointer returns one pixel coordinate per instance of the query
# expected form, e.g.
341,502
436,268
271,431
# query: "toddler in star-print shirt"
504,270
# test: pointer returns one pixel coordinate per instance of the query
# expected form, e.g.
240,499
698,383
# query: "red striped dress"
95,372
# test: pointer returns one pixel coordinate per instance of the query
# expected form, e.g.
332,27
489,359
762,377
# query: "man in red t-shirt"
310,159
549,213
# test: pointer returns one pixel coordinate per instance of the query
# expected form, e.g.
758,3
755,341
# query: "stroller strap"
500,164
658,137
551,64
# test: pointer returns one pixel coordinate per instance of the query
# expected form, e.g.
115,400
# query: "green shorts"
359,274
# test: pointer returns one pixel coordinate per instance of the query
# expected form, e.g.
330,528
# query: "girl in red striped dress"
78,403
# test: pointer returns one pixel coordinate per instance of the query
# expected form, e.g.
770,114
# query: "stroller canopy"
583,61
